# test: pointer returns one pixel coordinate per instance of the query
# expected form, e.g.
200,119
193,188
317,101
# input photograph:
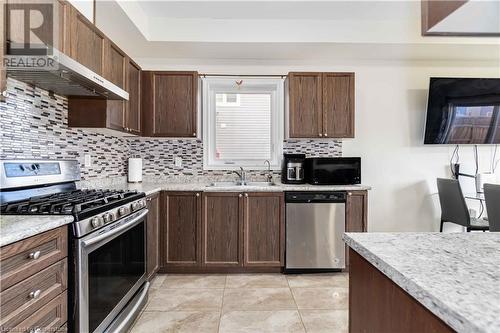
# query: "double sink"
241,184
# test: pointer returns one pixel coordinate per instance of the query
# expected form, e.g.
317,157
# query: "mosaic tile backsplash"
34,125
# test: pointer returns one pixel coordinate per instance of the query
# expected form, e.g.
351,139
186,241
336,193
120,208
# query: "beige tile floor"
242,303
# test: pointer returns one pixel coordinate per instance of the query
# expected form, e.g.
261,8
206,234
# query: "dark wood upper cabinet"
133,105
169,103
153,242
57,36
321,105
115,64
222,232
338,105
263,220
87,43
104,115
180,231
305,105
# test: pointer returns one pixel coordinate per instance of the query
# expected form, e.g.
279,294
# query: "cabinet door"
115,64
222,231
305,105
153,204
171,110
86,43
356,215
338,105
63,20
263,229
133,105
180,230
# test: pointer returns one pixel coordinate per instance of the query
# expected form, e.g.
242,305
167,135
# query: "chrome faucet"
242,175
269,176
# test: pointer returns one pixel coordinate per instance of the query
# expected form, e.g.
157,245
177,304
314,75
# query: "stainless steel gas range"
107,279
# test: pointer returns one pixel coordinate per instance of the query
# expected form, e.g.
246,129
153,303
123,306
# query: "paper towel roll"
135,170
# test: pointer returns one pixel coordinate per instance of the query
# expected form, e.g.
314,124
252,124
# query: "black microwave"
333,170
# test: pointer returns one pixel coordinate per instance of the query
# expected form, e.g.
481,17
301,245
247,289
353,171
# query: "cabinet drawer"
22,259
23,299
49,318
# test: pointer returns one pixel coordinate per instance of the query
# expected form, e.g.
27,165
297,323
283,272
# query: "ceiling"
156,32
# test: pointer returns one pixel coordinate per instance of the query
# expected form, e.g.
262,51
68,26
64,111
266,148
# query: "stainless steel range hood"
63,76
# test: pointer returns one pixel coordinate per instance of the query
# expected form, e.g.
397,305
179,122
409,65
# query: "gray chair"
492,198
453,207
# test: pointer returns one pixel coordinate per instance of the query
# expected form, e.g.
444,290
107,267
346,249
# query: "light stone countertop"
454,275
152,187
14,228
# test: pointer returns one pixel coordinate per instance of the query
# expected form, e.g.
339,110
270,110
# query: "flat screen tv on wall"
463,111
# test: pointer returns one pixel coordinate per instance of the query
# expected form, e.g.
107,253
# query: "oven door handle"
116,230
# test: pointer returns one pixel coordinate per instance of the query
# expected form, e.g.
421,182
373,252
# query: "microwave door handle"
116,230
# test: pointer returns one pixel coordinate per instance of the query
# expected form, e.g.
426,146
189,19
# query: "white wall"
390,113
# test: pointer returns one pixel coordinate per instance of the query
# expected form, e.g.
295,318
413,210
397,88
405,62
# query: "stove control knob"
142,202
122,211
96,222
108,217
136,206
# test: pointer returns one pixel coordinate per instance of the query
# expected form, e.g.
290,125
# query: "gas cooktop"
79,203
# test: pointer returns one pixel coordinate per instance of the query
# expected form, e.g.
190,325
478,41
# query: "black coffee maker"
292,169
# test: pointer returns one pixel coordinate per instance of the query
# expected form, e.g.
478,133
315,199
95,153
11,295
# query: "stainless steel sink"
246,184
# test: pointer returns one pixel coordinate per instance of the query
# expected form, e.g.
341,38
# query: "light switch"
178,162
87,160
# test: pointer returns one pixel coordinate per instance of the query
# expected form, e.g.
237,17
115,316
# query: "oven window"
113,269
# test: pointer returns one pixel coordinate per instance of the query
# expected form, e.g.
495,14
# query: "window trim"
213,85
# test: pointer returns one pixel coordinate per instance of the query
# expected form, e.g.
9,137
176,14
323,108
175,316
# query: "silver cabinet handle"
35,255
35,294
320,134
35,330
246,195
240,195
326,134
349,193
197,194
148,199
194,134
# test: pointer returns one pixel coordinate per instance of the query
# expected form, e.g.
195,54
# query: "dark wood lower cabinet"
222,232
153,242
378,305
356,215
33,282
180,232
264,229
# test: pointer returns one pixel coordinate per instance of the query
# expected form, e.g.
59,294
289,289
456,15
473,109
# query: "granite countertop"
454,275
151,187
16,227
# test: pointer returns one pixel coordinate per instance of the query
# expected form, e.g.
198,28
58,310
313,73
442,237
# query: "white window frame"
213,85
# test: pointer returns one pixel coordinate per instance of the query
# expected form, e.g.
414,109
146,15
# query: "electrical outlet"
178,162
88,160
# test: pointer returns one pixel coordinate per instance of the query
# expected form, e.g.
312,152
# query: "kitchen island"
424,282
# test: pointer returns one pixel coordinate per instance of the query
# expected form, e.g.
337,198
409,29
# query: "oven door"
111,267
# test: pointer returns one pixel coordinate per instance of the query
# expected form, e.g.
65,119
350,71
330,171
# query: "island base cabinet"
378,305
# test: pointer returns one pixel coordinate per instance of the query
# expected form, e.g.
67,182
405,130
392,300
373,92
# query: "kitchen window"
242,122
